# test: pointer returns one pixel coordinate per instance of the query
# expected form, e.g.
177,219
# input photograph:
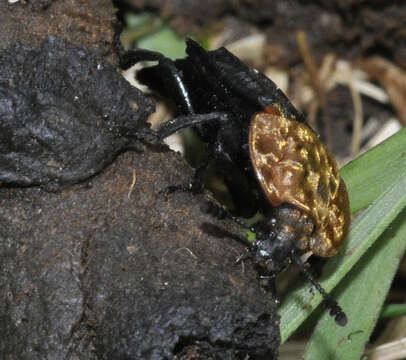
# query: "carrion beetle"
271,159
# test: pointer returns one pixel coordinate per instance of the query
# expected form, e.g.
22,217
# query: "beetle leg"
131,57
181,122
149,135
195,187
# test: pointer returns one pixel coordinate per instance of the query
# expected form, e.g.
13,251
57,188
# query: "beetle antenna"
335,310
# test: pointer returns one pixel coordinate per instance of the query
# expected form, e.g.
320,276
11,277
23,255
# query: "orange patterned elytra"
293,167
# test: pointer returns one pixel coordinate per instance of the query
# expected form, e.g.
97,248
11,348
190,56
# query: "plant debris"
392,78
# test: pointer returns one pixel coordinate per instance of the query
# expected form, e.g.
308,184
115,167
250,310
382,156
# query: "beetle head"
279,235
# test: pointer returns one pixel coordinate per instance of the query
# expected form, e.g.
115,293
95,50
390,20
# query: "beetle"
271,159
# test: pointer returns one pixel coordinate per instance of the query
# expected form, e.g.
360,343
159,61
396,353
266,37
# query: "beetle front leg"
182,122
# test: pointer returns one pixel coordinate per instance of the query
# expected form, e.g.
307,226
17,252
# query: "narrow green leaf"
166,41
362,294
139,19
149,32
393,310
363,233
371,173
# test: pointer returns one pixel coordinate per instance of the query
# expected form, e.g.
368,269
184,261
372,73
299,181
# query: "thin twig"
358,116
390,351
318,81
311,67
392,78
132,184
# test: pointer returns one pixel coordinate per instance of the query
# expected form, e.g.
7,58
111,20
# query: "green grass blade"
362,294
148,31
166,41
371,173
394,310
363,233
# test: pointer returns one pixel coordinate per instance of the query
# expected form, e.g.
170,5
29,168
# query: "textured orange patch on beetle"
294,167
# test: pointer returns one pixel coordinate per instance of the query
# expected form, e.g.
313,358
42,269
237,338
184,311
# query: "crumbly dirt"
108,269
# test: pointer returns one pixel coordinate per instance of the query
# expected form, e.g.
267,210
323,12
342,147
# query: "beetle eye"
264,100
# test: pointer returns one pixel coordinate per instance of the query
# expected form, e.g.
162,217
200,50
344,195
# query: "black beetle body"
262,146
225,85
